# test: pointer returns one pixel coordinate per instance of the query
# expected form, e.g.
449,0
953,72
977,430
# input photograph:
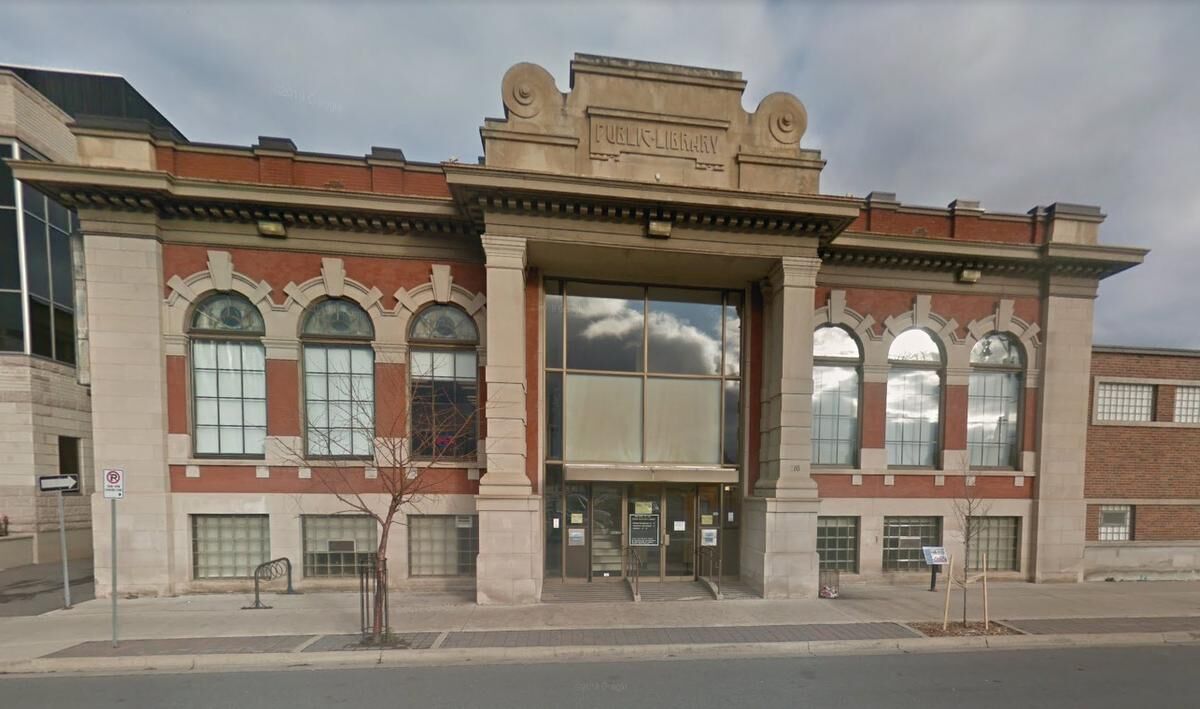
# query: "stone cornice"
175,197
481,189
867,249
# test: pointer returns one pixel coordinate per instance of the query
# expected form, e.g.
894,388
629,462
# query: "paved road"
1095,678
37,588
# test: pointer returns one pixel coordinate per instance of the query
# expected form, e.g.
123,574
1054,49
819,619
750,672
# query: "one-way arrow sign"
50,483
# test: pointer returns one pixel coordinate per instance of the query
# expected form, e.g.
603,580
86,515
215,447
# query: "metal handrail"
633,570
269,571
712,556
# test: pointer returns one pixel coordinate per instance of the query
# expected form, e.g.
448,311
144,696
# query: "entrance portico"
645,233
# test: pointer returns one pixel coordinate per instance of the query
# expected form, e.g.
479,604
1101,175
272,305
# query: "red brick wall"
1091,526
286,479
284,401
920,486
279,267
391,399
1154,523
943,224
873,415
283,397
1144,461
955,418
300,171
1111,364
1166,522
177,387
883,303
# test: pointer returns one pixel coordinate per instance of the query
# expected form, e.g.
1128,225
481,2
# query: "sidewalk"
37,588
317,628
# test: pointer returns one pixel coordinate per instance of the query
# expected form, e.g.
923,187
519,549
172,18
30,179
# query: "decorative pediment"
651,122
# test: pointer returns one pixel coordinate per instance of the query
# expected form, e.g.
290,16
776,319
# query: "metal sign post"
935,557
114,489
61,483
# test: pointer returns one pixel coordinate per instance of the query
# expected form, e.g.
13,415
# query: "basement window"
1116,523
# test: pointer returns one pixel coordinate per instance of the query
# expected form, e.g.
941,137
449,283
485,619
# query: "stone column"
1062,432
780,557
129,396
1067,310
508,569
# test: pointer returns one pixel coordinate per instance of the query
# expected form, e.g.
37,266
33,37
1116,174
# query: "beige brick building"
45,403
634,344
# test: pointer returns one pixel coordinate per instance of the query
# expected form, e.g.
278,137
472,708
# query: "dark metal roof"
96,99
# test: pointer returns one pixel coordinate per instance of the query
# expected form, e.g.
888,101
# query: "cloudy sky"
1011,104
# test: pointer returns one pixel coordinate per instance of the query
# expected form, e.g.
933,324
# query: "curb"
610,653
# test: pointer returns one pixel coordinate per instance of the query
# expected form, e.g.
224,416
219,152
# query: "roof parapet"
268,142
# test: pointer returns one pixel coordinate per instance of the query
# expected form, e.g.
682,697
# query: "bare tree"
967,508
352,430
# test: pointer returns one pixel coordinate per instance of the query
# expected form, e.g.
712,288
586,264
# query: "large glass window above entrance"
642,374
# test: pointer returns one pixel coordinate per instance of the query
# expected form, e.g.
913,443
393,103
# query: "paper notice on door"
706,519
680,526
643,508
731,515
576,518
556,522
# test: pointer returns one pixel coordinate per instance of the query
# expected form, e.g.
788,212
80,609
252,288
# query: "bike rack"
269,571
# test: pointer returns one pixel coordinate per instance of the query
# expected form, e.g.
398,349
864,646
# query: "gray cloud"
1012,104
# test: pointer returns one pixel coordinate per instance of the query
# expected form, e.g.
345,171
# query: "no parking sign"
114,484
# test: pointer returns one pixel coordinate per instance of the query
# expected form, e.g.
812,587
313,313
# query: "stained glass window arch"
997,349
443,383
339,380
231,313
338,318
229,389
443,323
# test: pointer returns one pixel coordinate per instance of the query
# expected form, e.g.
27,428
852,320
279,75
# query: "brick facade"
1151,466
286,229
1145,461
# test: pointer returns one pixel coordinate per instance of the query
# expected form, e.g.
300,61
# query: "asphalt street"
1162,676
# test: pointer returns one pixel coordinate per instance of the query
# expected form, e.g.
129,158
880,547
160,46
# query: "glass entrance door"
606,531
680,532
645,511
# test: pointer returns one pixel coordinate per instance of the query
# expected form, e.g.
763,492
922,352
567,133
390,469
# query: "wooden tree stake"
949,576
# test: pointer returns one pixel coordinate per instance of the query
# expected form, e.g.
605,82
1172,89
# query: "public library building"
633,340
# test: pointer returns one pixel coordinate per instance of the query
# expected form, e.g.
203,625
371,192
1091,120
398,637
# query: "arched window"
229,379
836,360
993,401
444,383
914,400
339,380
